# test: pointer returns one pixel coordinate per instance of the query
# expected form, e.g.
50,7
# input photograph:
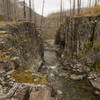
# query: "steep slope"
80,37
20,47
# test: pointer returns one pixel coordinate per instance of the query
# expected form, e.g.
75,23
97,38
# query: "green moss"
29,77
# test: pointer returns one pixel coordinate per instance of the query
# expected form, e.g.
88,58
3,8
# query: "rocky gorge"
63,69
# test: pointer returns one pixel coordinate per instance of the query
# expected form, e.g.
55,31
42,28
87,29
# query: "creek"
67,88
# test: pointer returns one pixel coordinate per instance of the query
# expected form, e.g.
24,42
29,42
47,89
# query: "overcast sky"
52,5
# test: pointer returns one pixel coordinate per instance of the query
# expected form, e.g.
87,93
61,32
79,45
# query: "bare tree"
70,8
34,14
61,12
3,4
30,10
8,9
96,2
42,13
79,6
89,3
24,10
74,2
15,9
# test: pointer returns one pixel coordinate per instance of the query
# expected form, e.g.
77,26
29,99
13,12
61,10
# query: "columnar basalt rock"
78,34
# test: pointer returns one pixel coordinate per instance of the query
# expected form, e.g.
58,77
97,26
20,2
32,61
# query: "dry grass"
92,11
2,59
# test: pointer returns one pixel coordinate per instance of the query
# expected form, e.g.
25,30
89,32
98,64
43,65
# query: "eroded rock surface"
21,47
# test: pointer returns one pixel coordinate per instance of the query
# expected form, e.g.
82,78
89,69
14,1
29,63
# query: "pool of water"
78,90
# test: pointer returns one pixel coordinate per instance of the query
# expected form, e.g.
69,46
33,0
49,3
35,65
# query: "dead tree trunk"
70,8
74,7
30,11
89,3
24,10
79,6
15,10
8,10
61,12
42,13
96,2
34,14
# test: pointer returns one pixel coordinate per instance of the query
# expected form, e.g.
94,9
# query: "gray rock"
77,77
93,75
96,83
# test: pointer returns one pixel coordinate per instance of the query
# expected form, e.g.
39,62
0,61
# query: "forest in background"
15,10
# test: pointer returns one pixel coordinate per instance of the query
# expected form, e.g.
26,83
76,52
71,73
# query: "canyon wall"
79,37
21,47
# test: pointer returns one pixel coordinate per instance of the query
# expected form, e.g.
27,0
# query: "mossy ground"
30,77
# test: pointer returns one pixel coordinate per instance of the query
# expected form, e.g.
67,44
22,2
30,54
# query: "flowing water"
72,90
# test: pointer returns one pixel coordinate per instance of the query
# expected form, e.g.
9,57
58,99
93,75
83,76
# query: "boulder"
43,94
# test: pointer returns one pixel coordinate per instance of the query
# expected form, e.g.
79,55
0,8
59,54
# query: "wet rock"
77,77
96,83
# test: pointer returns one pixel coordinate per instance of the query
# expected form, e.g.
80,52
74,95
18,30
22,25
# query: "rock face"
80,37
21,47
78,34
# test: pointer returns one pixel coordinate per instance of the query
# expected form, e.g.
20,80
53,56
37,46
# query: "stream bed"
67,88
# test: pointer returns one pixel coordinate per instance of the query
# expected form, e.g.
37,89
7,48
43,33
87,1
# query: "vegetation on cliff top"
92,11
